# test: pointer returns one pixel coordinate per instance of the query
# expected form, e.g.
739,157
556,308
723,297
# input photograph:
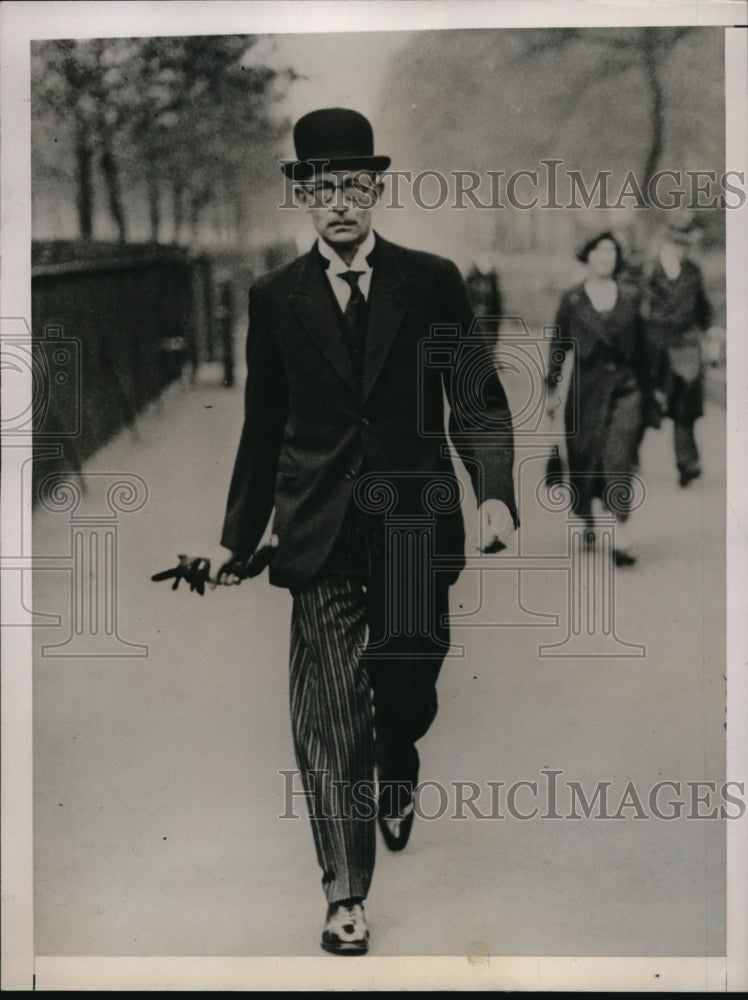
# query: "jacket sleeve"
657,361
559,345
642,362
480,422
252,488
703,305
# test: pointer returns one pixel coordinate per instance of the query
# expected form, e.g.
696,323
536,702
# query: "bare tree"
198,119
186,117
623,102
62,80
645,50
108,121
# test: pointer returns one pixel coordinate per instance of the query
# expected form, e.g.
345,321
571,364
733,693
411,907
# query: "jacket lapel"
313,303
599,323
388,299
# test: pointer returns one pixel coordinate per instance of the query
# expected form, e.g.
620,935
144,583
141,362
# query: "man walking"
344,437
679,315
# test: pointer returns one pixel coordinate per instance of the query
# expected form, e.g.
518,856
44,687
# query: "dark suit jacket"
310,428
679,313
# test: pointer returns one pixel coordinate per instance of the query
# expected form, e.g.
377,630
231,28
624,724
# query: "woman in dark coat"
600,320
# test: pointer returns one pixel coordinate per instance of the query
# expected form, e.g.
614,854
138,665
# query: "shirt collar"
359,263
670,263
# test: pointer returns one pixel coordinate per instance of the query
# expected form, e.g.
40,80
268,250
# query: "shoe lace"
351,917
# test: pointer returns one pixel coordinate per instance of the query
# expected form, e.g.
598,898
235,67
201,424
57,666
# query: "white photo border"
26,21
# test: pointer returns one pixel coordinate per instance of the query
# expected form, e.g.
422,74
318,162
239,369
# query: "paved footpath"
157,777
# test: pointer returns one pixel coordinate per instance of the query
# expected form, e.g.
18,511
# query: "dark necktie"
355,315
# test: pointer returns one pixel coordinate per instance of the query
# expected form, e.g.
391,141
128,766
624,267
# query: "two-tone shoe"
396,829
345,930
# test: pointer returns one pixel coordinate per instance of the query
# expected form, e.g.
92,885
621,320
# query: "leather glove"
193,569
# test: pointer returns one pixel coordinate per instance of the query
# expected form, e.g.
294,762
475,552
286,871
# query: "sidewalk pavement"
158,784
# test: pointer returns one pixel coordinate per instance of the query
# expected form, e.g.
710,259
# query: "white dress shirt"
671,265
342,289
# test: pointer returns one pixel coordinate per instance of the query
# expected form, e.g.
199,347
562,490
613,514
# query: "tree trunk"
154,207
194,216
177,201
105,136
84,171
113,187
197,204
240,219
656,116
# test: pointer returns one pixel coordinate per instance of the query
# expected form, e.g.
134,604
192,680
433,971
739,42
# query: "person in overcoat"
609,391
484,292
679,313
343,466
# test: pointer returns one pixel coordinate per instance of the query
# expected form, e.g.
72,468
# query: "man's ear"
303,196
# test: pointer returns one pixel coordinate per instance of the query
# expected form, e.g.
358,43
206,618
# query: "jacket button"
350,474
364,422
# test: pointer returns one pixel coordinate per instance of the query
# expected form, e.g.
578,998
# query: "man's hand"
235,566
496,526
231,571
220,560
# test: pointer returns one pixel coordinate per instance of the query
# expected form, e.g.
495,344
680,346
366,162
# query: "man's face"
340,204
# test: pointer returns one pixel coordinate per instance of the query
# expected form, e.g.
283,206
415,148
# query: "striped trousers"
360,697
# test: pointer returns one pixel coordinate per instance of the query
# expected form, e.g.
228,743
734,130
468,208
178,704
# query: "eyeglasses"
362,192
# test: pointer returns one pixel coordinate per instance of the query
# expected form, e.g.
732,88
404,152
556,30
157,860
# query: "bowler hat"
333,139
